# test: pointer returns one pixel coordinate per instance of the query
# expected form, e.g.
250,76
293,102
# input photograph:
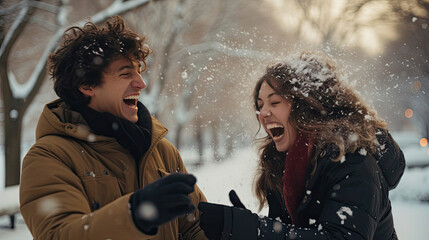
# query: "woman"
326,165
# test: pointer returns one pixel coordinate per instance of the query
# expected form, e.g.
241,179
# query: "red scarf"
296,164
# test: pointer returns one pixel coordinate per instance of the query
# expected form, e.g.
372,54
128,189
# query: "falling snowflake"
363,152
49,206
353,137
148,211
277,227
184,75
91,138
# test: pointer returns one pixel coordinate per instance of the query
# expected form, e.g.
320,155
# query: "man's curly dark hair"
86,52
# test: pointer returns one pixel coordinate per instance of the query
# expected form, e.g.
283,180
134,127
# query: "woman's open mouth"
276,130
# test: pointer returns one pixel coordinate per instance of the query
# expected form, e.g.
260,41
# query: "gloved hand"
162,201
224,222
235,200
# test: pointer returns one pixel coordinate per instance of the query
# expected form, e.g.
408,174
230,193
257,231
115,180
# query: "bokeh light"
409,113
417,85
423,142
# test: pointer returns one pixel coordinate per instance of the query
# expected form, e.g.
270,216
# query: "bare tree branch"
44,6
214,46
43,23
13,8
10,39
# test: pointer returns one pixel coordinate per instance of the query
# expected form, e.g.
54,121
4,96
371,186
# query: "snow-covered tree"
18,94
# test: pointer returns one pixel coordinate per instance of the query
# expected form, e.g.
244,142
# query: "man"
101,167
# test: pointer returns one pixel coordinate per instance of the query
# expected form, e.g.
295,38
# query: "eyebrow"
269,95
125,67
130,66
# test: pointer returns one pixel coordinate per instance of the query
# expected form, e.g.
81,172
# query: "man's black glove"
224,222
162,201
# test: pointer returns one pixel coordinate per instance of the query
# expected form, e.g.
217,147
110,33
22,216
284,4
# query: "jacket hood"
59,119
390,159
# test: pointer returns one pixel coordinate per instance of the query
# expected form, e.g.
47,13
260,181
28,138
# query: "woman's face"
274,112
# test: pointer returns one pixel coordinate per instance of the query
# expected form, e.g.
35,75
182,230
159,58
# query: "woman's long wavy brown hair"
323,107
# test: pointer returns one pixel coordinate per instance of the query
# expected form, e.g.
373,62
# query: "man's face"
119,90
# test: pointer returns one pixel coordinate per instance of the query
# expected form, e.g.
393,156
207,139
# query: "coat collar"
59,119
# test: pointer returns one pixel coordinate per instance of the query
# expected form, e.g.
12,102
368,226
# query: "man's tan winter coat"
70,172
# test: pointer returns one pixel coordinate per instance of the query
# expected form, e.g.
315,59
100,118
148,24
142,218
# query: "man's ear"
87,90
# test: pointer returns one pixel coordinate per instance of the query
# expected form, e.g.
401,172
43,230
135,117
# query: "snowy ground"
216,179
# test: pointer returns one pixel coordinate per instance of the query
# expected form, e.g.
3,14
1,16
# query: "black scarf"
136,137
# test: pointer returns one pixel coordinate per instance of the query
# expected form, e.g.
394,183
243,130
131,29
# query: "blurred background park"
207,55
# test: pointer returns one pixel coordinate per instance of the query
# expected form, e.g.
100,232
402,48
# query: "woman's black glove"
224,222
162,201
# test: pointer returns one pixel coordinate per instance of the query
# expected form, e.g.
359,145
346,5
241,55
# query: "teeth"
274,125
132,97
277,137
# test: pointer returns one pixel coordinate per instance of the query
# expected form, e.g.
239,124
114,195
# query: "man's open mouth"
276,129
131,100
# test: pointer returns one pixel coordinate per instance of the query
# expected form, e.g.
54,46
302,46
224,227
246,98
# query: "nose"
138,83
264,112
